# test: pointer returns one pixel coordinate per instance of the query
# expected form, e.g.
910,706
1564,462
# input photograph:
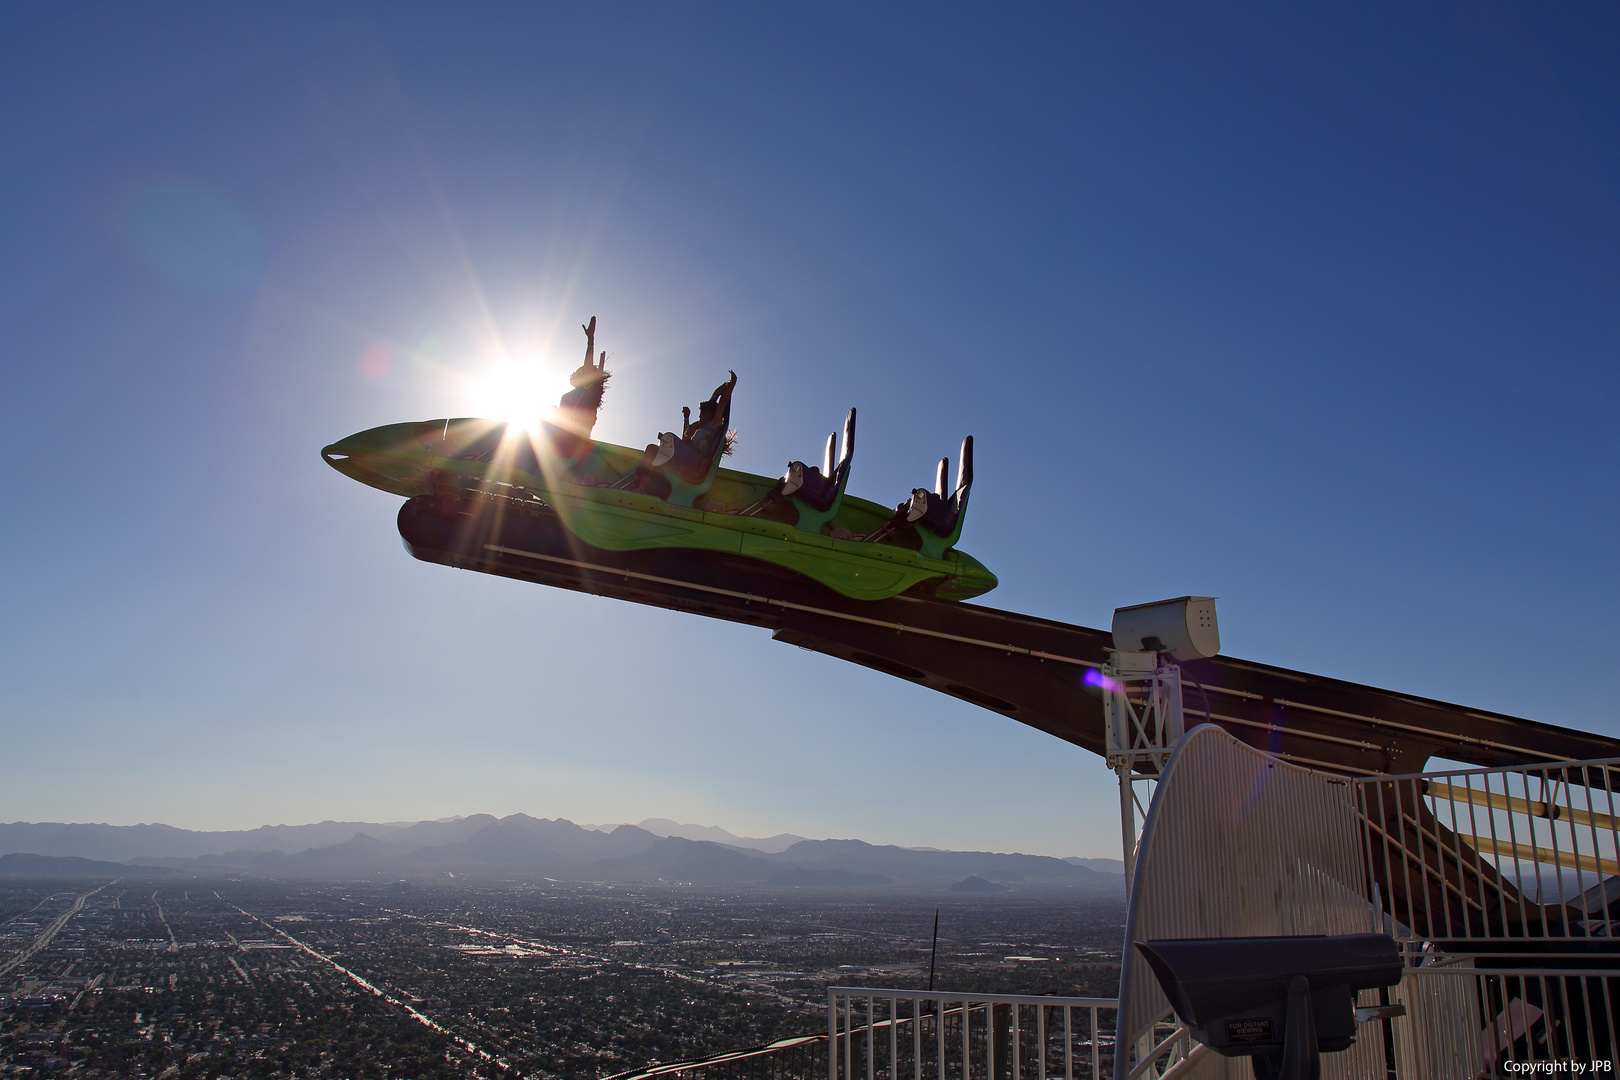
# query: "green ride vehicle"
674,494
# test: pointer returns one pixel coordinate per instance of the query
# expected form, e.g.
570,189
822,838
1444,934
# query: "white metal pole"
1127,823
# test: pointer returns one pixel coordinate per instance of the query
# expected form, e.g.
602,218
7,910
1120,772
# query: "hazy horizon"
653,825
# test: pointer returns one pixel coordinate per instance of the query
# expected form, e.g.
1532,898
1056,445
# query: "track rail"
1021,666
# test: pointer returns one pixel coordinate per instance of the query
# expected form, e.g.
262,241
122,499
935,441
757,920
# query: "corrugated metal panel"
1239,844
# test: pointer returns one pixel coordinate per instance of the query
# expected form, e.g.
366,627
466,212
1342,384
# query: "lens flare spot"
375,362
1093,677
426,358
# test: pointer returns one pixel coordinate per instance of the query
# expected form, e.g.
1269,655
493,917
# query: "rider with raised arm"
576,412
681,467
709,434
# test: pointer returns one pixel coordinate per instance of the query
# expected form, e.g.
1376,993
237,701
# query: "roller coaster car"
619,499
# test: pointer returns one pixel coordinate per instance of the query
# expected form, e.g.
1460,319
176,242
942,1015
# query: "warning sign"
1253,1030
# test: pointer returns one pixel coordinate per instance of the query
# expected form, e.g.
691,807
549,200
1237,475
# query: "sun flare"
519,391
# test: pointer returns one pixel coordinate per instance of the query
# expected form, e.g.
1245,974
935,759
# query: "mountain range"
520,846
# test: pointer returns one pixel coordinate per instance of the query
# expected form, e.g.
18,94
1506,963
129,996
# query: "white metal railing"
1496,853
935,1035
796,1058
1502,886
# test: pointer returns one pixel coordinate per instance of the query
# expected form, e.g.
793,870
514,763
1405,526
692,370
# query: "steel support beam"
1027,668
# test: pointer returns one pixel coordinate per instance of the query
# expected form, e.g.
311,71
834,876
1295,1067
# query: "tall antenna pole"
934,952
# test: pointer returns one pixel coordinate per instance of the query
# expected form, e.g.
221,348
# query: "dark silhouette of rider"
707,435
576,412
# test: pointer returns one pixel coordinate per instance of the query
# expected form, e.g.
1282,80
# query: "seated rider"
707,435
692,455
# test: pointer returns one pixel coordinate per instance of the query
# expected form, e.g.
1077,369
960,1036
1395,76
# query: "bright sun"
520,391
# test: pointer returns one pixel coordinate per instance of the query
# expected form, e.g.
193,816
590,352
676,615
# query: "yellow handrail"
1545,855
1497,800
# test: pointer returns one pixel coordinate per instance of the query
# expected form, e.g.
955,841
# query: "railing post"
1040,1036
1068,1043
1096,1045
967,1056
894,1038
916,1039
995,1043
846,1019
871,1037
832,1034
1017,1065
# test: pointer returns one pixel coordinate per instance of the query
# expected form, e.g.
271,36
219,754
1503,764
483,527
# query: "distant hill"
521,846
122,843
502,844
702,862
769,844
912,865
437,832
359,854
28,865
1102,866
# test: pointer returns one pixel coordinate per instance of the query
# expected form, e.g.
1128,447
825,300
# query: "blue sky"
1312,308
